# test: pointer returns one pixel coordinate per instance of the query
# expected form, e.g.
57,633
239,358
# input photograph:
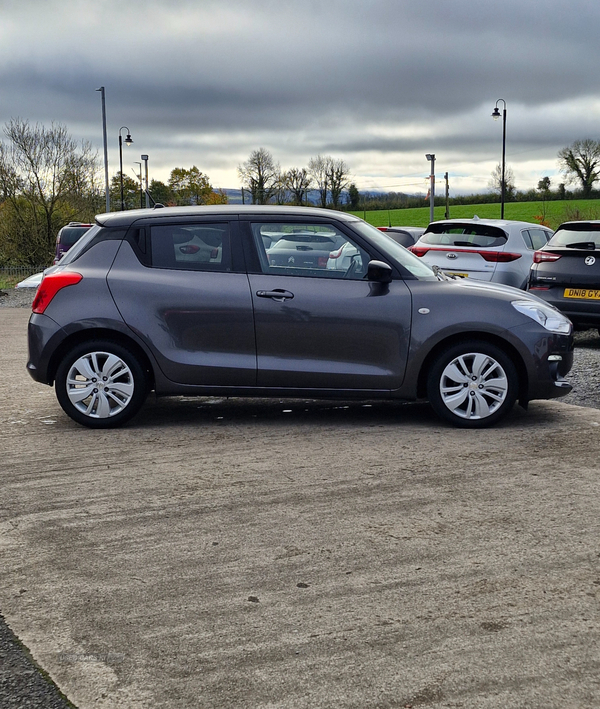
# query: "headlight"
547,317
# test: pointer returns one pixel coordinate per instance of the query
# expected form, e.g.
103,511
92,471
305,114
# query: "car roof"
490,222
595,222
128,217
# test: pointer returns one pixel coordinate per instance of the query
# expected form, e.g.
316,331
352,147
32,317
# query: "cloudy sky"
379,83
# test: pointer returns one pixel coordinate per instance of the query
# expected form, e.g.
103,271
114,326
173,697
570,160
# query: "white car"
344,257
31,281
495,250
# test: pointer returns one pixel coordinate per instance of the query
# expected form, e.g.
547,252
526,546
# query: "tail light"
189,249
499,256
322,262
336,254
541,256
50,286
489,256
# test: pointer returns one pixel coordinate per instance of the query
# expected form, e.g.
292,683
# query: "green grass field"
552,213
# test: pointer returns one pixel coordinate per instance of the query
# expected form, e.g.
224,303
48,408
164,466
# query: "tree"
353,196
260,174
190,186
298,182
48,179
580,162
337,179
131,192
318,169
161,193
495,184
544,186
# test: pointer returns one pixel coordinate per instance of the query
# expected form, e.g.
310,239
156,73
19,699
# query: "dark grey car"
185,301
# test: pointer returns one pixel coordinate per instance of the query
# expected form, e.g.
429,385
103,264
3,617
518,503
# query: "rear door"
326,327
181,286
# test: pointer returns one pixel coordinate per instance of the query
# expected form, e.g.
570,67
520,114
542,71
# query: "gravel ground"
24,684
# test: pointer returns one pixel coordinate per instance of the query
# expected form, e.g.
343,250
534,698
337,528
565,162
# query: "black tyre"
101,384
473,384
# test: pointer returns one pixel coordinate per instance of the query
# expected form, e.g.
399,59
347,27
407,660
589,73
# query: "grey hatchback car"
186,301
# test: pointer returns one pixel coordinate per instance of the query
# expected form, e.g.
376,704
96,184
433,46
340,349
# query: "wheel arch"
510,350
100,333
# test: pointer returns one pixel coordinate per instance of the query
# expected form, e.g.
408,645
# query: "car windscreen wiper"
588,245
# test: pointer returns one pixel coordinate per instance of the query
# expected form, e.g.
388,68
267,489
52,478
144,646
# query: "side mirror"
379,271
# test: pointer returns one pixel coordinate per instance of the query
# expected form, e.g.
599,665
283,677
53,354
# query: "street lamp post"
128,141
496,116
431,159
106,185
145,159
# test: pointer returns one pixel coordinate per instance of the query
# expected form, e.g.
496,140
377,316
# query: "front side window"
191,247
305,249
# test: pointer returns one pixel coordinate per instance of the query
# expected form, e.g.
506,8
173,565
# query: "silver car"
189,301
495,250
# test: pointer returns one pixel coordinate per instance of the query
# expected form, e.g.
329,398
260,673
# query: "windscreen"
472,235
413,264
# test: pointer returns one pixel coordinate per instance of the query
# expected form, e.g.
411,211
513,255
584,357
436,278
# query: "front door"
319,324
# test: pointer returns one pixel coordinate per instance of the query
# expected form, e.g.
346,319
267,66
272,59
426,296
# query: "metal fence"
20,271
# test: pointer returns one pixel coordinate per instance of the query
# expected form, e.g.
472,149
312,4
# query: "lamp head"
496,114
128,139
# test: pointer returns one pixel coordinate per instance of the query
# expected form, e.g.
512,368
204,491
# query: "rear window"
68,235
572,234
455,234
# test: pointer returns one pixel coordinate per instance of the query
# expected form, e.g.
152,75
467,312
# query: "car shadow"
192,411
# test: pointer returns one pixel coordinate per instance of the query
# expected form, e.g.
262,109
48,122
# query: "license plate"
582,293
457,275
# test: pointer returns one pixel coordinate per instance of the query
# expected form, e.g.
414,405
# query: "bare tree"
261,175
47,179
580,162
298,182
318,170
495,184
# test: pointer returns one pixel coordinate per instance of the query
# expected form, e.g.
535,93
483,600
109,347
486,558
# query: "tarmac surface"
229,553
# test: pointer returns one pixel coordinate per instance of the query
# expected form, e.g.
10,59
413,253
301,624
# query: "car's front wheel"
101,384
472,384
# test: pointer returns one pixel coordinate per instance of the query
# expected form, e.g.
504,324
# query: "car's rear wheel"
472,384
101,384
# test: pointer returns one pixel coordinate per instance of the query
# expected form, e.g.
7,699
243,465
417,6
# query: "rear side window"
191,247
455,234
535,238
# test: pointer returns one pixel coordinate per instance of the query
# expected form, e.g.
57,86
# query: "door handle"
278,294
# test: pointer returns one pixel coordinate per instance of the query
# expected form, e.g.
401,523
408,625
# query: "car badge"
589,261
450,255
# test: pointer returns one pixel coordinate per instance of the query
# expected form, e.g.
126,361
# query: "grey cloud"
325,71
